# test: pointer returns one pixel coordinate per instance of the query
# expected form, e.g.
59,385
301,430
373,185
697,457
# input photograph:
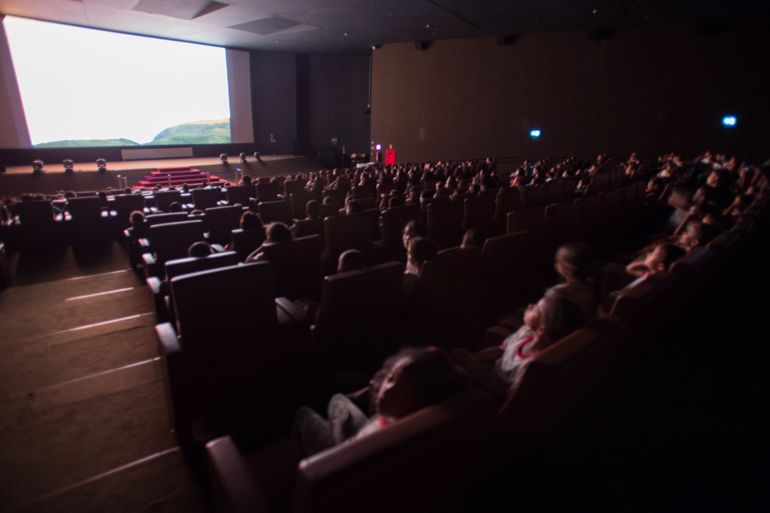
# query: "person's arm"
637,268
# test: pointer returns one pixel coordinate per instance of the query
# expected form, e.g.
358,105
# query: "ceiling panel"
354,25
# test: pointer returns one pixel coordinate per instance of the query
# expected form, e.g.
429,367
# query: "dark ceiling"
353,26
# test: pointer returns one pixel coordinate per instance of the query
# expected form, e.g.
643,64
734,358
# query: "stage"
19,179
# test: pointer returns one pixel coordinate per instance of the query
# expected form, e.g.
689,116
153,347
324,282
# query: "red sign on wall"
390,157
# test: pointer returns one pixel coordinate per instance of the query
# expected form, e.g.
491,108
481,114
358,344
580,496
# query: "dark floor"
83,416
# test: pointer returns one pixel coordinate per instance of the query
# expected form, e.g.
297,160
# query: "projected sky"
82,86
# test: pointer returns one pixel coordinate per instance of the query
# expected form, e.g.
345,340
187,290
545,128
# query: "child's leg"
314,432
346,419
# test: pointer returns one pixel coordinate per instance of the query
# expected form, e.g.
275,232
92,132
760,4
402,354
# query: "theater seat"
160,289
444,219
171,217
169,241
86,223
562,223
224,364
508,199
206,197
165,198
305,227
38,228
561,378
479,212
426,462
442,305
347,232
359,317
240,194
298,200
393,221
221,221
246,242
506,278
297,266
275,211
124,204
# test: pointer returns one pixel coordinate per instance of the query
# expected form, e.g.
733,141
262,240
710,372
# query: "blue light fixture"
535,134
730,121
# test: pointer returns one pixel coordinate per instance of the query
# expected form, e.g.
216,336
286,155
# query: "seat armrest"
495,335
234,486
168,341
144,243
218,248
155,285
290,309
148,259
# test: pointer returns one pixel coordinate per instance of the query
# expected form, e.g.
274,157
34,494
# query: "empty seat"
221,221
224,364
593,218
479,212
244,242
444,219
393,222
426,462
508,199
37,225
297,266
206,197
305,227
240,194
124,204
359,317
267,191
165,198
86,223
442,305
347,232
178,267
506,278
272,211
330,210
298,201
169,241
534,196
562,223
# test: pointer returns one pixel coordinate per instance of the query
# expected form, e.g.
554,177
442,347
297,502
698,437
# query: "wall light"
535,134
730,120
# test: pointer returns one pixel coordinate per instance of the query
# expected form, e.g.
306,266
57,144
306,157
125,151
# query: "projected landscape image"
97,88
195,132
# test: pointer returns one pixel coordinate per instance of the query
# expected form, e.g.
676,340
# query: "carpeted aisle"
83,417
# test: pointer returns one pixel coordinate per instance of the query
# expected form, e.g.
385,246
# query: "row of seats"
431,460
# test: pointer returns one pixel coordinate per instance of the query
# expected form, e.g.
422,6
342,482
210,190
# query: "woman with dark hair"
577,265
409,381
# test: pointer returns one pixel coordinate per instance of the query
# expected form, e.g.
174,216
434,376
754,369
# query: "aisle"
83,417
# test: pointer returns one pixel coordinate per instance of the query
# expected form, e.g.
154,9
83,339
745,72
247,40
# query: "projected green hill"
86,143
195,132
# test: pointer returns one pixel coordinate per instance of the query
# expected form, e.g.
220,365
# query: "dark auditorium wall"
334,99
305,100
648,90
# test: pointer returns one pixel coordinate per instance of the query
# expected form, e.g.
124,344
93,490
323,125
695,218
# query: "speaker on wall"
421,45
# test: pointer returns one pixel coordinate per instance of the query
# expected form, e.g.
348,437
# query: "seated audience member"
697,234
499,369
139,227
396,201
413,379
350,260
474,238
576,264
353,207
199,249
174,206
313,210
274,233
658,260
411,230
250,221
421,249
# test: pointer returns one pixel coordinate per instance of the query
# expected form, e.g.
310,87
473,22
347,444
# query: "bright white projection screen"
81,87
